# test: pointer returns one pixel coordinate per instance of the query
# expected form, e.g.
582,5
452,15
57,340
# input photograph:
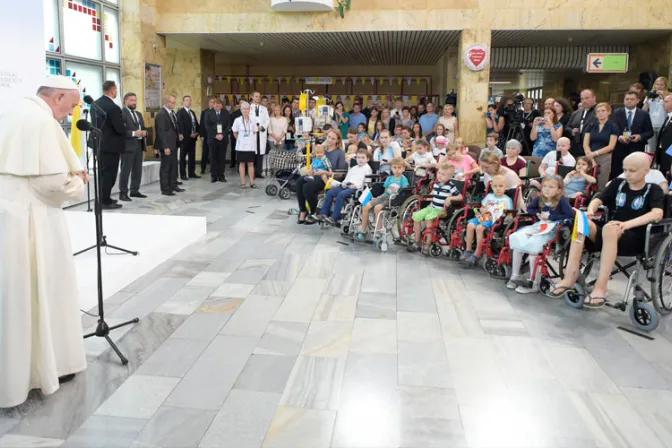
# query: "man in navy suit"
635,128
112,144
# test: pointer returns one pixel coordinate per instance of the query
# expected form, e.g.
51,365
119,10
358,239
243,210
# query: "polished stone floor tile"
627,368
346,285
174,428
521,362
273,288
209,279
319,265
207,323
655,407
103,431
301,301
211,378
282,338
576,369
418,327
149,299
174,358
415,292
300,428
336,308
377,305
186,300
327,340
371,370
6,424
233,290
374,336
219,305
243,420
139,397
18,441
500,327
424,364
252,316
251,271
288,267
265,373
314,383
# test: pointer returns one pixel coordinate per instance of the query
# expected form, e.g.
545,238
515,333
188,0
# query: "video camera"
518,99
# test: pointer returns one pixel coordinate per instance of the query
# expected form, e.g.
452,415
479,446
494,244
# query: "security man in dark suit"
189,129
112,143
167,140
132,158
665,138
634,129
204,134
218,125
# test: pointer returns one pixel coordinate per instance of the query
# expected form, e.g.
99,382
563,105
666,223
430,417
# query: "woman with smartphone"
545,132
653,104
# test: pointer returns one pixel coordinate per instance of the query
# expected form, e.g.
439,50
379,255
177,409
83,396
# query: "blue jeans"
340,194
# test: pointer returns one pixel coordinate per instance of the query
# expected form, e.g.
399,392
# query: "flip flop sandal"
588,303
563,290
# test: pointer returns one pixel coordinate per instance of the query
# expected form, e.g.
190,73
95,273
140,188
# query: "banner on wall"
319,80
152,87
22,67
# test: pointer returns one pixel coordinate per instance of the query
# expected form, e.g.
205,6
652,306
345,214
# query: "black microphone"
84,125
89,100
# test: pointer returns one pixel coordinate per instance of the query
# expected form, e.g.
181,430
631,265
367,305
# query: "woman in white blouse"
449,122
245,131
277,130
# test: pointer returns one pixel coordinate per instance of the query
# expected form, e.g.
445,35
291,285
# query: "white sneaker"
513,282
528,290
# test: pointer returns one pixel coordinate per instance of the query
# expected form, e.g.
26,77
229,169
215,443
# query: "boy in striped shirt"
444,193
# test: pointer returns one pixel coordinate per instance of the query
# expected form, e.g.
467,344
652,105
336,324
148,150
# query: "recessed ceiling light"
570,38
261,44
492,83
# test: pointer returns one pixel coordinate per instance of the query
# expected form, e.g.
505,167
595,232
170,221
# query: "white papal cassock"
40,326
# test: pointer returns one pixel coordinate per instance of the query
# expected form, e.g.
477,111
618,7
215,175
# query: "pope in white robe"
40,324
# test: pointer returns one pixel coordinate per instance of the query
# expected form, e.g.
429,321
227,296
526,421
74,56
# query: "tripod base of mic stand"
103,331
103,243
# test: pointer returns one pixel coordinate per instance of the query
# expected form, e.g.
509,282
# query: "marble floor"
268,334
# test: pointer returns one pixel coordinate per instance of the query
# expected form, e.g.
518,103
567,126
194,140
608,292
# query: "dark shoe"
66,378
222,179
137,195
113,206
168,193
254,187
213,180
124,197
184,178
179,183
194,176
179,190
232,166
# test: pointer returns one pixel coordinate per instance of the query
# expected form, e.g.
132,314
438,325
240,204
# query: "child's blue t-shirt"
494,207
575,185
400,183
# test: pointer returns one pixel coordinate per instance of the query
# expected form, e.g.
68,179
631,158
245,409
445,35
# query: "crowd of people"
624,153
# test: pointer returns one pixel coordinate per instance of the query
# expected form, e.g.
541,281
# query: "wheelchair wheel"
284,193
454,254
502,272
661,286
544,285
271,189
405,212
489,264
530,193
576,299
435,250
452,223
643,316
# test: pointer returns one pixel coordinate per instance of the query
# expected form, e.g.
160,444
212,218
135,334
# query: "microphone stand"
88,156
102,329
95,148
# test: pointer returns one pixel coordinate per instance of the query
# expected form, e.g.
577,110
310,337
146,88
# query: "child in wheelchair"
340,192
577,181
421,159
387,151
493,207
632,204
550,162
444,192
319,162
393,184
464,164
551,207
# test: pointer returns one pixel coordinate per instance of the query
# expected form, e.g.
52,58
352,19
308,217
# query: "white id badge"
288,136
219,128
246,135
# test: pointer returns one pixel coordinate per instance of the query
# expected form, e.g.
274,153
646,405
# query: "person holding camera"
653,104
529,115
545,132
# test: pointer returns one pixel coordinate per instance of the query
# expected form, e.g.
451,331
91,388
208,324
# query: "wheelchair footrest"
617,305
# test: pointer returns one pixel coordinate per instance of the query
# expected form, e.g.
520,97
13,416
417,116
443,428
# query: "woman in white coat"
245,131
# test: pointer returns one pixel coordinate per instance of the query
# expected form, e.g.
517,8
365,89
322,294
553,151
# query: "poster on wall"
476,57
152,87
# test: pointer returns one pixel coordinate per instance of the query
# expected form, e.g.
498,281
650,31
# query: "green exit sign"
607,63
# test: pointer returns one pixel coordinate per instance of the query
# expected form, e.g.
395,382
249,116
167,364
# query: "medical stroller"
284,166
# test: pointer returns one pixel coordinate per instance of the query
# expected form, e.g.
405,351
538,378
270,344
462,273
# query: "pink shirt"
463,166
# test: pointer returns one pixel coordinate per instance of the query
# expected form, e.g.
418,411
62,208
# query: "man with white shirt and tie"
189,126
262,119
635,128
131,159
665,138
168,137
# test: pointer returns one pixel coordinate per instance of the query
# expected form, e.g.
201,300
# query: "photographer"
653,104
529,114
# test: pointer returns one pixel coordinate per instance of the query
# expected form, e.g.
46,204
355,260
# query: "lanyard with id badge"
245,140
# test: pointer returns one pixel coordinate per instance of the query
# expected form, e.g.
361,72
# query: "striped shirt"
441,192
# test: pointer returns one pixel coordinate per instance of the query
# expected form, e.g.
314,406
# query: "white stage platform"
173,233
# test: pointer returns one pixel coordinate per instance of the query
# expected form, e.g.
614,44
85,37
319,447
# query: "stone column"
472,92
132,51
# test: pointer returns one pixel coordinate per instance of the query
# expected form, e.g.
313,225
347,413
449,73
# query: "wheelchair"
654,266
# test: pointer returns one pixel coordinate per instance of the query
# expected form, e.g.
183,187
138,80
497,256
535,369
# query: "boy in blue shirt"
393,184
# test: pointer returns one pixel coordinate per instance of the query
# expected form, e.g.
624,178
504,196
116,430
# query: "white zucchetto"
59,82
